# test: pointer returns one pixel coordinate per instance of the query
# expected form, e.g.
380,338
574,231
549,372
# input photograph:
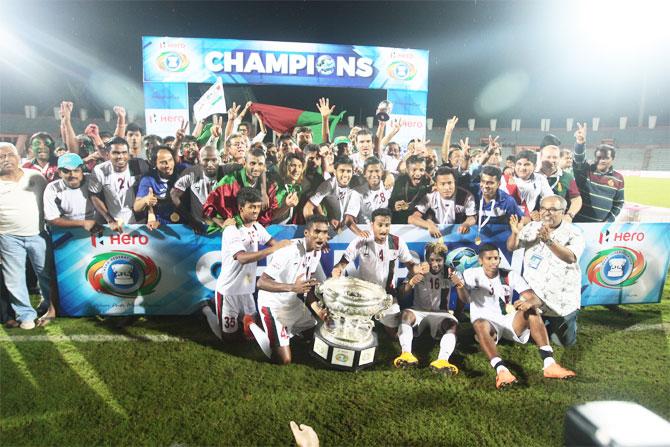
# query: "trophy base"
343,357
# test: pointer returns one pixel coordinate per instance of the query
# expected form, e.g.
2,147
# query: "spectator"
235,149
562,183
551,266
199,180
189,153
565,163
303,136
601,187
22,234
114,183
45,161
327,159
391,159
409,189
289,190
134,138
153,193
150,143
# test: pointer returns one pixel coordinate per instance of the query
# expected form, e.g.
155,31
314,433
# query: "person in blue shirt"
494,205
152,202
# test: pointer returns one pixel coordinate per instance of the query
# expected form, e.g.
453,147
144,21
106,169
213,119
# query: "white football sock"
447,346
405,336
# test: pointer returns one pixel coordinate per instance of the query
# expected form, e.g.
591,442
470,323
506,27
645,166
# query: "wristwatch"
549,243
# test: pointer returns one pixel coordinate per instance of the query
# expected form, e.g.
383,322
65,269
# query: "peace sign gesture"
493,142
451,123
217,126
465,144
324,108
580,134
181,132
233,111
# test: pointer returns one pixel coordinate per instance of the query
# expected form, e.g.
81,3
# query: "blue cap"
69,161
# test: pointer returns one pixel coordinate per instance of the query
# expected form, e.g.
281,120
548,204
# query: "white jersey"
374,259
118,189
338,200
237,278
486,294
286,266
198,185
449,211
21,210
390,163
428,292
371,199
530,190
61,201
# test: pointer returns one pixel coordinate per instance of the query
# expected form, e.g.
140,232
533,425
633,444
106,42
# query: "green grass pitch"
184,388
648,191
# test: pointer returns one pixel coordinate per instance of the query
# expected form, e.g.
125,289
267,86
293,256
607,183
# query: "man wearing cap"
22,234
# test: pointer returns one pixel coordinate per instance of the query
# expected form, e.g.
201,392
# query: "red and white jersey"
527,193
428,292
118,189
236,278
486,293
449,211
371,199
374,259
289,264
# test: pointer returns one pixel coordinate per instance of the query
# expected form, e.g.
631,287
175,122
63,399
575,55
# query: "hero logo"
120,239
627,236
248,62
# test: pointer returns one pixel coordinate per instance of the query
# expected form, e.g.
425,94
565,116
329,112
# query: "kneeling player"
488,289
239,255
431,300
286,287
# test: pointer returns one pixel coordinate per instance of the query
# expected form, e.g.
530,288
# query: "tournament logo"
325,65
616,267
462,258
123,273
172,61
401,70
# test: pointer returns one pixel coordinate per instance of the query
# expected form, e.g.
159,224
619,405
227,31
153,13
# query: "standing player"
377,256
429,310
236,283
488,289
286,288
373,193
447,205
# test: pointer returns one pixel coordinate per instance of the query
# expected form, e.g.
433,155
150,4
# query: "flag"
284,119
213,101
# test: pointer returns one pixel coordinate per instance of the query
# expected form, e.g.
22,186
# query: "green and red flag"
284,119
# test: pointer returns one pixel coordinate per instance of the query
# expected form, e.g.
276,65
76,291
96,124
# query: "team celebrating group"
223,179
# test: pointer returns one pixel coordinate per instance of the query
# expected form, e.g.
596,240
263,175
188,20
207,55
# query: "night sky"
90,52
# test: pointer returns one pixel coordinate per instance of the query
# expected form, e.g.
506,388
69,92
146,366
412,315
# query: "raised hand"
120,112
516,224
580,134
323,106
66,109
465,144
151,199
181,131
493,143
217,126
233,111
396,125
451,124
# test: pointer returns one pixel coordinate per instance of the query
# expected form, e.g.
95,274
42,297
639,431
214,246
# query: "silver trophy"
346,340
384,110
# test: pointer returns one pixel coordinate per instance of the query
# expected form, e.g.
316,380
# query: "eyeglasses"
552,210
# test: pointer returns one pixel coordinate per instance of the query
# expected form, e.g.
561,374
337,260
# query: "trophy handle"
386,303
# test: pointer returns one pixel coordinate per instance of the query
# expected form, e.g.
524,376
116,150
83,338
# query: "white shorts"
391,317
431,320
230,308
502,325
283,321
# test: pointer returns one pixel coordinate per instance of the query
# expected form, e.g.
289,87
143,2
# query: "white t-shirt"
428,292
530,190
557,283
447,210
199,186
118,189
374,259
21,210
237,278
371,199
338,200
287,265
486,293
61,201
390,163
359,162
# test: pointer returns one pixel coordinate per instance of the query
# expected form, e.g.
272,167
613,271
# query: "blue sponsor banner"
184,60
163,95
169,271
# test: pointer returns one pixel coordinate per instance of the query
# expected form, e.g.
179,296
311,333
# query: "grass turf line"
647,191
201,393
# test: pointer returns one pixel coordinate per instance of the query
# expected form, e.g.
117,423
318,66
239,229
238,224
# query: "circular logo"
207,269
325,65
123,273
172,61
401,70
462,258
616,267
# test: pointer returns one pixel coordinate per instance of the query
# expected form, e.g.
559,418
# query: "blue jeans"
564,328
13,250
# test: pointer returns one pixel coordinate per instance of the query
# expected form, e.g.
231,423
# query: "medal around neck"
346,340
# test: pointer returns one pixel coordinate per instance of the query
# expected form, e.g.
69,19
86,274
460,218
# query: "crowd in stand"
212,177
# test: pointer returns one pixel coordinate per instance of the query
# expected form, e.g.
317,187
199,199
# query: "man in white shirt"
551,266
114,183
489,290
22,234
526,186
430,310
234,300
286,288
373,193
365,146
448,205
377,257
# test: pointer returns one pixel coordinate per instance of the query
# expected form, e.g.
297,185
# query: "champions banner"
170,64
169,271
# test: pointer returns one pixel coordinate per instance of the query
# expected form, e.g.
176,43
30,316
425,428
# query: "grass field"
169,382
648,191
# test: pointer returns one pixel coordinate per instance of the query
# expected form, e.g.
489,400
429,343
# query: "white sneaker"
212,321
27,325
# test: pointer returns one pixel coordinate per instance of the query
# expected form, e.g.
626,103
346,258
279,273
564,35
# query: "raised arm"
323,106
446,141
120,130
68,134
396,125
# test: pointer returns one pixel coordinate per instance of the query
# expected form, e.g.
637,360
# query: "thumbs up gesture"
151,199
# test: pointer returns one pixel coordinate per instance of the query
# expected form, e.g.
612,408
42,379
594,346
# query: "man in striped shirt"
600,185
